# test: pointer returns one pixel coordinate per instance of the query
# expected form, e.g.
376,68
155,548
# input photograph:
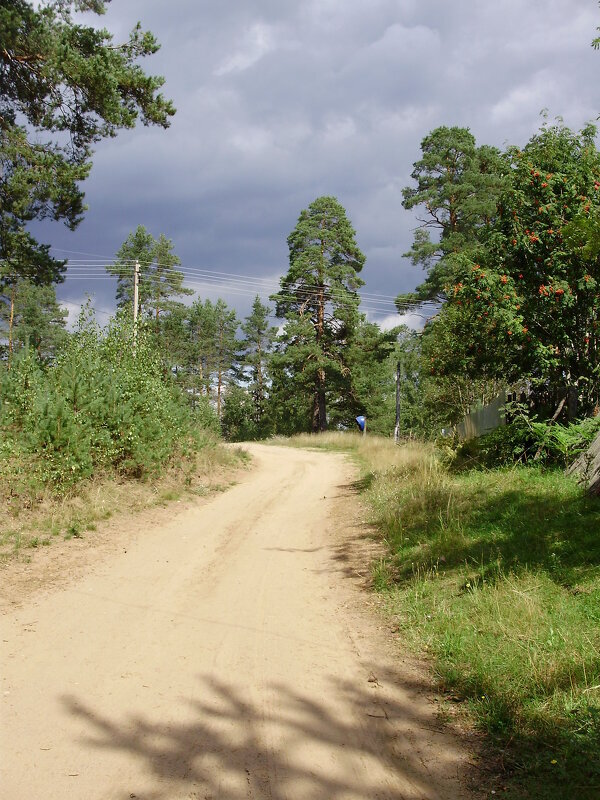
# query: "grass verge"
496,576
33,520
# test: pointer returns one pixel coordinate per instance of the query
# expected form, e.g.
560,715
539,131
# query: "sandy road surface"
223,655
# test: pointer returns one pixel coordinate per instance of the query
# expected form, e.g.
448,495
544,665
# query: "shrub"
99,406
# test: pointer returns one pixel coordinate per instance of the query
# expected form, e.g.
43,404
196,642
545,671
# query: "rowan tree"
530,307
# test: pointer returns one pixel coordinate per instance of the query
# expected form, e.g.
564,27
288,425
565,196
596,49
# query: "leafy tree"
457,185
237,421
529,307
226,349
256,347
63,87
159,281
201,352
369,388
174,340
291,397
319,300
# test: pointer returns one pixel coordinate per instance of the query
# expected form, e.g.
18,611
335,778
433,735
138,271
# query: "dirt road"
222,655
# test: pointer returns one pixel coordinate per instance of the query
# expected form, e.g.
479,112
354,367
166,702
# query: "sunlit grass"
39,516
496,576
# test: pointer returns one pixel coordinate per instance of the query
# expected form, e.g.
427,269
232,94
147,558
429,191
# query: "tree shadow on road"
281,744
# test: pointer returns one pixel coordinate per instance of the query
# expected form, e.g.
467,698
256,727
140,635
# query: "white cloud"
415,320
74,307
537,92
257,41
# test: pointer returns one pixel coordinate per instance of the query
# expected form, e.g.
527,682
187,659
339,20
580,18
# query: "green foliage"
237,422
63,87
458,185
506,445
97,407
496,574
529,440
370,388
30,316
561,444
319,300
528,307
159,281
256,349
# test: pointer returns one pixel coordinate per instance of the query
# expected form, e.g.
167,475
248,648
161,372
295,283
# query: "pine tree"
458,185
255,350
63,87
226,349
159,281
31,316
213,352
319,300
201,353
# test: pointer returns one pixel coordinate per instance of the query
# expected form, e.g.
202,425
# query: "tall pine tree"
159,281
457,189
63,87
256,348
319,300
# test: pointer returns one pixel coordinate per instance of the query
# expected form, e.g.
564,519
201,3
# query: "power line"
107,261
98,267
252,290
232,282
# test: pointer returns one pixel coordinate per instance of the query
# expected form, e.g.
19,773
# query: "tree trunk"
10,323
220,372
258,410
319,410
319,419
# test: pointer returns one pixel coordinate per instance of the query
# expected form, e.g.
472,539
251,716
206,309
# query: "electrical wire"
104,261
95,267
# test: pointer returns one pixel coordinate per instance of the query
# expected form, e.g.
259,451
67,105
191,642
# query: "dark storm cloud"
279,103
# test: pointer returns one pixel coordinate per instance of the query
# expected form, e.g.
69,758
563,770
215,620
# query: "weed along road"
229,653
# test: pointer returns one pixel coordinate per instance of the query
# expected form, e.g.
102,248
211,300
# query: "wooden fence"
483,419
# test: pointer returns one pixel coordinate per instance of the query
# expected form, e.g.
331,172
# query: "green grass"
496,576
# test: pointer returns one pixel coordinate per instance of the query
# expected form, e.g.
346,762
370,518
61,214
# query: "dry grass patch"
32,522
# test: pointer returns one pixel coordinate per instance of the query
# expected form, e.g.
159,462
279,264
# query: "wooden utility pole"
136,294
397,426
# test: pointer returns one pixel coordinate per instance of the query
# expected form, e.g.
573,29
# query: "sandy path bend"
224,655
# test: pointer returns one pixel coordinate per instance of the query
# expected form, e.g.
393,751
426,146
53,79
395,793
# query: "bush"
97,407
524,440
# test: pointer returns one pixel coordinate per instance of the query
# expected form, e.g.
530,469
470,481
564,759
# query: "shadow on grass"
496,529
529,676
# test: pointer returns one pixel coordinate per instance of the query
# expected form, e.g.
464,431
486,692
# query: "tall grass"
496,575
100,414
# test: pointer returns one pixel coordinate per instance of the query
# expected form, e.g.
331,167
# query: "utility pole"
136,293
397,427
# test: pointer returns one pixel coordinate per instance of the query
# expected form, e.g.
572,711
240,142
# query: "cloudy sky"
279,102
